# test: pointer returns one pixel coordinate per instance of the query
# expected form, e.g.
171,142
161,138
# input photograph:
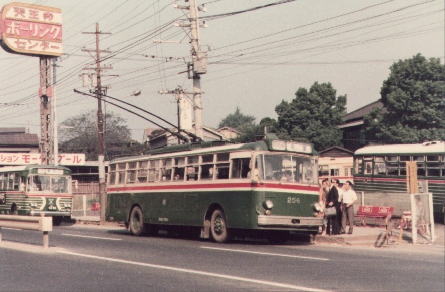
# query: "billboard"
36,158
31,29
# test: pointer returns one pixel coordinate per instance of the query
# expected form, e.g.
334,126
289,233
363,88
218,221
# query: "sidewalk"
371,236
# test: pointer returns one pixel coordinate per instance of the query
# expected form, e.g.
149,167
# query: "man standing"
332,201
348,198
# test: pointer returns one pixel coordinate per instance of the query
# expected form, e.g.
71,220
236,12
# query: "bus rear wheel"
218,226
57,220
136,224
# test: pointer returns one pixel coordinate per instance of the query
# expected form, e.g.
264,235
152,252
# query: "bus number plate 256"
293,200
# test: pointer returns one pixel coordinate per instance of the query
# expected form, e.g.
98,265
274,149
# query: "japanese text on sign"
32,29
35,158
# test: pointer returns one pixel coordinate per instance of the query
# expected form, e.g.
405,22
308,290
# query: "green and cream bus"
36,190
269,185
382,168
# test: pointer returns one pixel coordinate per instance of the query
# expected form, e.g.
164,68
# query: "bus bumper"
289,221
50,213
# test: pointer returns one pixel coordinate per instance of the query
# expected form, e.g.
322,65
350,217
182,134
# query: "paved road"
85,258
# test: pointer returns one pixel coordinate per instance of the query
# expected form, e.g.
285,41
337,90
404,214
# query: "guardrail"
44,224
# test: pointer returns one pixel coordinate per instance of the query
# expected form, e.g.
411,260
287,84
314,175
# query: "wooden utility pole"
100,91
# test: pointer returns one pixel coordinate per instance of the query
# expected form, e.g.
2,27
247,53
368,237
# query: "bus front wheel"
218,226
136,223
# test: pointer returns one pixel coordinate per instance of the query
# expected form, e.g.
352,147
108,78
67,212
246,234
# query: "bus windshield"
48,183
287,168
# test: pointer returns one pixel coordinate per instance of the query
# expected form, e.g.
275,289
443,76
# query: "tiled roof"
19,139
19,130
361,112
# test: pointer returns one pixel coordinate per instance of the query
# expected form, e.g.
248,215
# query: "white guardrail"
44,224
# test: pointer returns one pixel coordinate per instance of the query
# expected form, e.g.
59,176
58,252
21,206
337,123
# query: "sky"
256,59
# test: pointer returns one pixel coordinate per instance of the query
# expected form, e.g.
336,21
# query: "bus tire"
14,210
218,226
136,222
57,220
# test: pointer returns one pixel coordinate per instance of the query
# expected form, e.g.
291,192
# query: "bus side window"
222,171
222,166
207,171
240,167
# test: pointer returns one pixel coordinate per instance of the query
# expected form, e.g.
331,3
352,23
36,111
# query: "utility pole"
183,109
100,91
198,66
54,111
47,126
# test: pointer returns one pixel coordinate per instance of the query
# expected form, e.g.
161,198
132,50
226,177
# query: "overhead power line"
215,16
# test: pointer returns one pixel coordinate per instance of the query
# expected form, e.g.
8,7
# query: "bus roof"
209,147
432,147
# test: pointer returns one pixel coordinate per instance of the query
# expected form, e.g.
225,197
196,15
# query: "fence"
86,200
414,210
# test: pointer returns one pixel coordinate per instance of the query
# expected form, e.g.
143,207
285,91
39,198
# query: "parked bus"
383,169
269,185
36,190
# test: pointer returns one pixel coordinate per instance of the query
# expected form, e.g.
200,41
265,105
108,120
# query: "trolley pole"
99,91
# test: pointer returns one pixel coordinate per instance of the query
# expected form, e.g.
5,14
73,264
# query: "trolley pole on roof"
100,91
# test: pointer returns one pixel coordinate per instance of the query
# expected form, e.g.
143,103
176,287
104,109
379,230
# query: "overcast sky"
256,59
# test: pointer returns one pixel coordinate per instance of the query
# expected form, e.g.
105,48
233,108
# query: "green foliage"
237,120
244,124
313,115
79,134
414,103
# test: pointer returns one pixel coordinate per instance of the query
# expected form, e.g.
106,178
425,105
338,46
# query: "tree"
244,124
414,103
237,120
79,134
313,115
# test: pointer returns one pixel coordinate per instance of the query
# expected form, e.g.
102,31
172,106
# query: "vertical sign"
31,29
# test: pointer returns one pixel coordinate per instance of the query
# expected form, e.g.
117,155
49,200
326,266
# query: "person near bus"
332,227
348,198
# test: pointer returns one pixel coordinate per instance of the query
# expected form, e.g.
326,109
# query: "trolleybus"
269,185
382,168
36,190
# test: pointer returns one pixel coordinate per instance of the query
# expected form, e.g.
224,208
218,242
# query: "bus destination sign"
31,29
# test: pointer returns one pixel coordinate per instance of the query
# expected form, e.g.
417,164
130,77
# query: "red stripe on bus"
213,186
394,179
50,195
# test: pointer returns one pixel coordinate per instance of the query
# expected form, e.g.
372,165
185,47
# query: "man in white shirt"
348,198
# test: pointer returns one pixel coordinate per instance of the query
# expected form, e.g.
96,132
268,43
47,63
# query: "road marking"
196,272
87,236
9,228
265,253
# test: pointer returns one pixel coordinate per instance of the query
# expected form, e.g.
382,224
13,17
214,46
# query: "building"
335,162
353,126
14,140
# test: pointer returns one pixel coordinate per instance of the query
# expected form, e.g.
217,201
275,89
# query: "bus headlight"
318,207
268,204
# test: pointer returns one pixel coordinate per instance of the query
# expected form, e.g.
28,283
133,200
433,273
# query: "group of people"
341,198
